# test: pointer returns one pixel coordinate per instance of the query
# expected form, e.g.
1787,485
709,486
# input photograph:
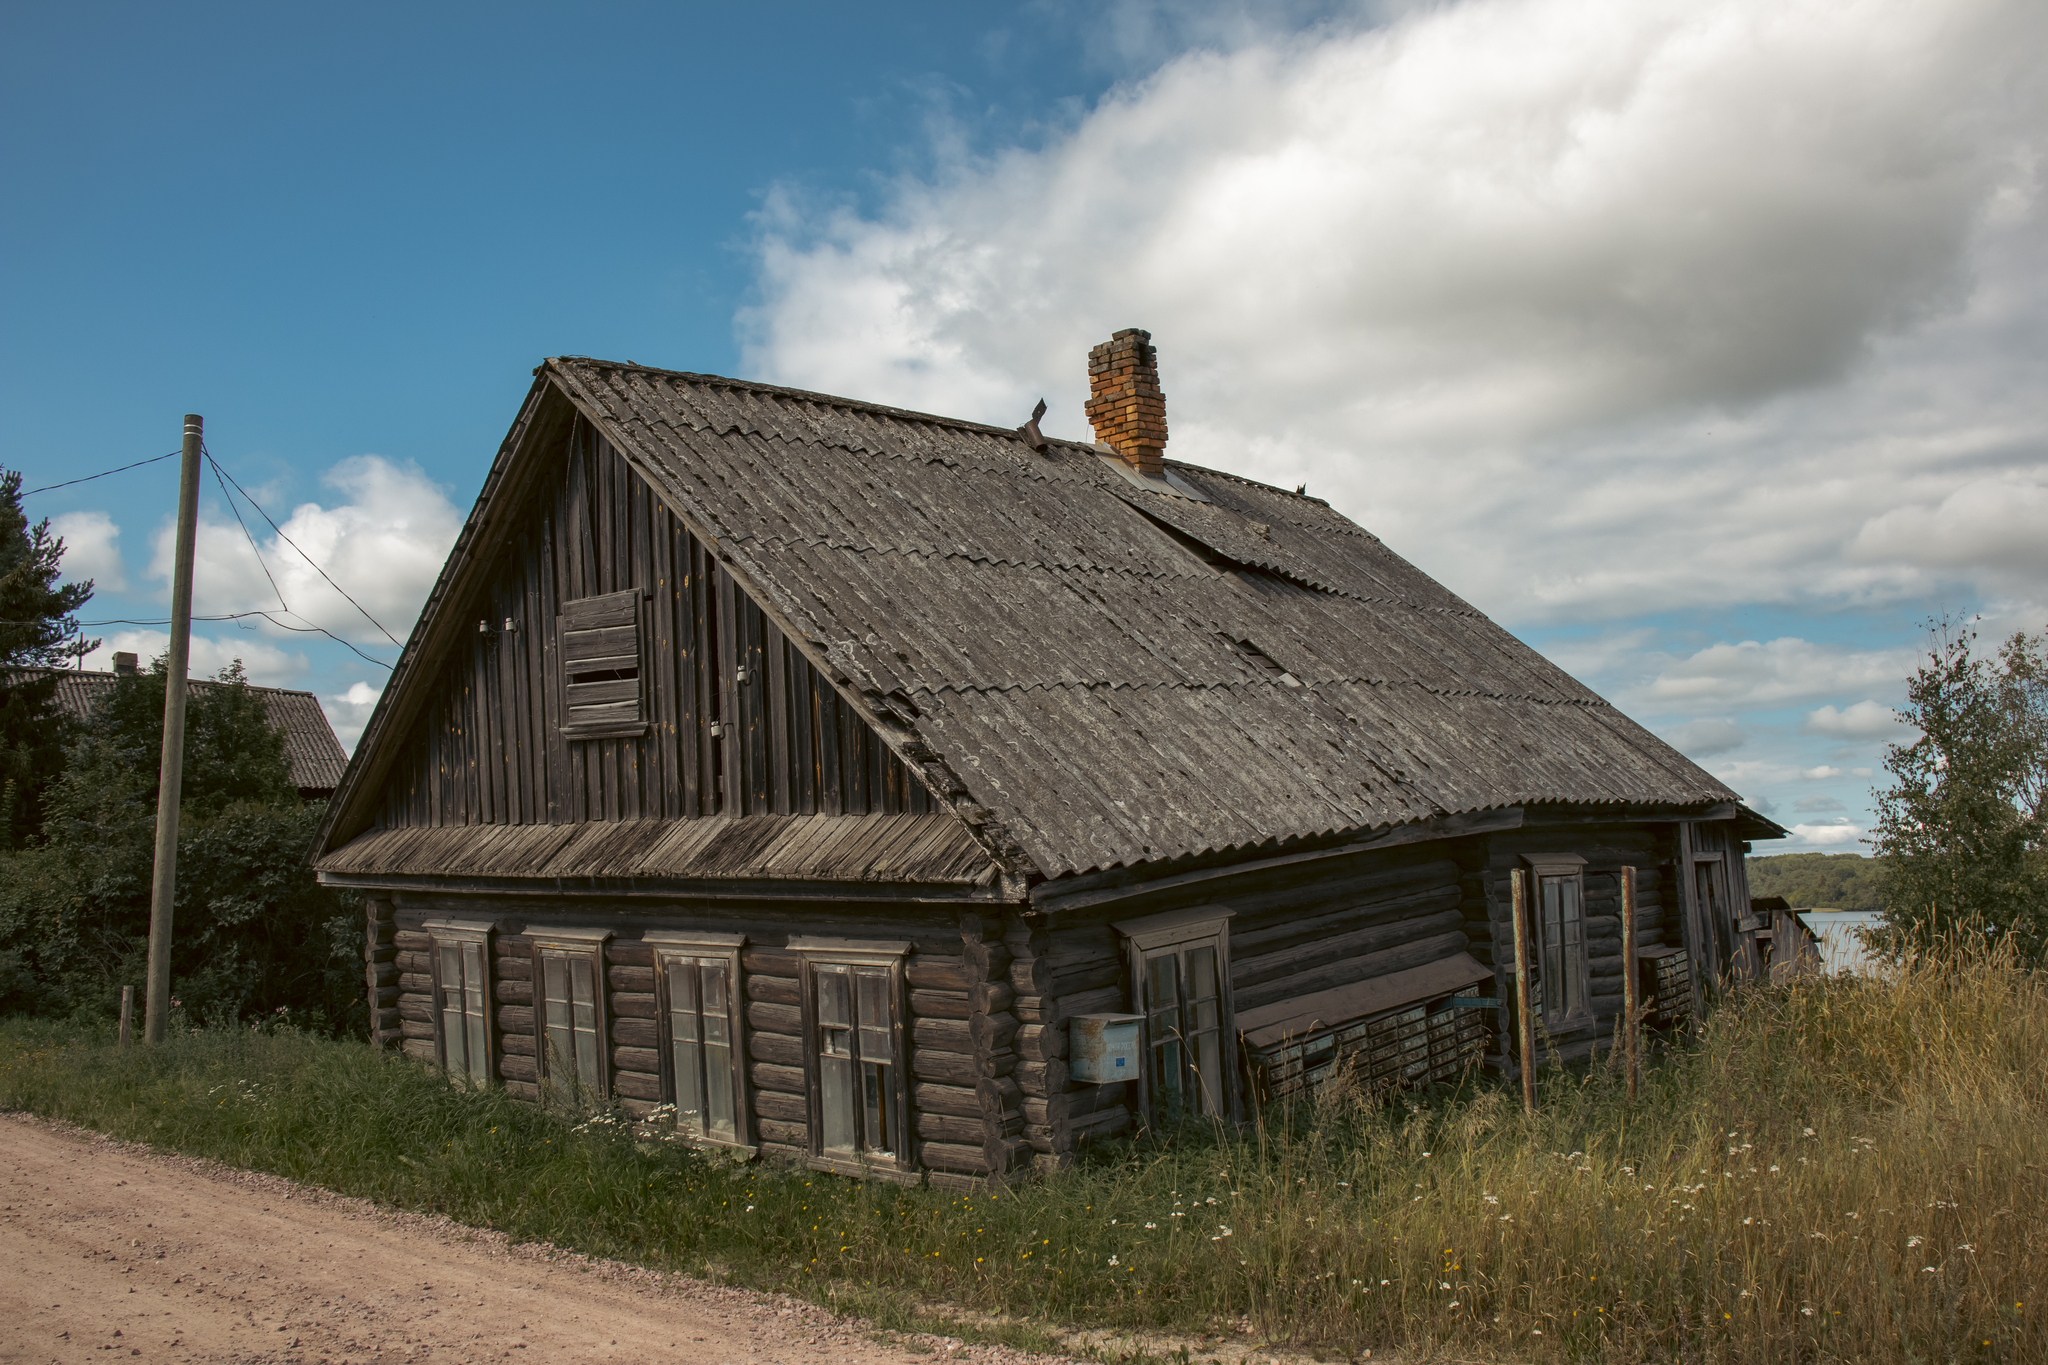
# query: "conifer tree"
38,631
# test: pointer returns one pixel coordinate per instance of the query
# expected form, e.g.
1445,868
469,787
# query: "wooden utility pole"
1631,982
1525,1029
171,775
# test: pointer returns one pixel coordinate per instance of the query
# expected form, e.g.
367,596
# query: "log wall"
966,1109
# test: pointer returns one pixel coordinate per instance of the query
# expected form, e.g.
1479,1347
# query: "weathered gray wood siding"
966,1110
1607,849
1296,930
489,749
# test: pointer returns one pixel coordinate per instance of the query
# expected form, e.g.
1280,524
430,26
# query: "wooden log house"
809,765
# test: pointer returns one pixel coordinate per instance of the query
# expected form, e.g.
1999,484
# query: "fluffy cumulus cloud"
1743,300
348,712
1756,673
1831,835
1864,720
383,541
91,549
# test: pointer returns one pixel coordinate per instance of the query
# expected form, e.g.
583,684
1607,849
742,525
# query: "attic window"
599,638
1262,661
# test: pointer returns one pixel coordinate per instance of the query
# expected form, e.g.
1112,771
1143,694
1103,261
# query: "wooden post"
170,780
1631,981
127,1015
1525,1030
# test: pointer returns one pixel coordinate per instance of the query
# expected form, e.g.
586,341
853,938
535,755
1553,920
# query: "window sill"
614,730
864,1170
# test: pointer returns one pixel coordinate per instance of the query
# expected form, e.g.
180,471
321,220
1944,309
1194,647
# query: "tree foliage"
38,630
253,932
1822,881
1960,828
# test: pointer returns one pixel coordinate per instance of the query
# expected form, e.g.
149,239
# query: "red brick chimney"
1125,405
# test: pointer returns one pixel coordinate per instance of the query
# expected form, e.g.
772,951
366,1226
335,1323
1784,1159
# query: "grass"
1836,1171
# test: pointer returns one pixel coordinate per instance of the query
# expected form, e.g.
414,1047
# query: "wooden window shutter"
602,688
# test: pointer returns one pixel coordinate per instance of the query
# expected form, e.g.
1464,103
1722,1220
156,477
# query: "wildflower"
1491,1198
1113,1261
1151,1225
1809,1132
1912,1242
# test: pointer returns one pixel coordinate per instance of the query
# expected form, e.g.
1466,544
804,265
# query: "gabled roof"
1117,673
311,751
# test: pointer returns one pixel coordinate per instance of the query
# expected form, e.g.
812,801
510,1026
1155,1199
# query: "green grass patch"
1834,1171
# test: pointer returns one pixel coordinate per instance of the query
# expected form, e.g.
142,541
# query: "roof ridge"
904,414
189,682
1588,703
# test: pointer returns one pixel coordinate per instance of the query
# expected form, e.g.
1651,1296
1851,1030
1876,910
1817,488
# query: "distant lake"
1841,951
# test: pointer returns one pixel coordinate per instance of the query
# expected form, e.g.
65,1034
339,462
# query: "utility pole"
171,778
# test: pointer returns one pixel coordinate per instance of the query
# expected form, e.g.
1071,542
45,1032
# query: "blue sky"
1702,345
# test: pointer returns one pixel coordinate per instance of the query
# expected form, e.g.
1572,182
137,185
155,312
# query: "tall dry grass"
1834,1171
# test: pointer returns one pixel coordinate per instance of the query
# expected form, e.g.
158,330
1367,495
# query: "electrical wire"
294,544
224,478
246,536
104,472
269,616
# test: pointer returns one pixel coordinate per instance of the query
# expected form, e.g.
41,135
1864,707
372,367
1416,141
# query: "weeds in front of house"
1838,1170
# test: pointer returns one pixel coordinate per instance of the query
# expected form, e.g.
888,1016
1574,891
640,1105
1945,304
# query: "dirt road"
114,1252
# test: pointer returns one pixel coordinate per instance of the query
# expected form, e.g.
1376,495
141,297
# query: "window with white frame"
1562,969
569,1022
1180,983
698,977
854,1027
462,991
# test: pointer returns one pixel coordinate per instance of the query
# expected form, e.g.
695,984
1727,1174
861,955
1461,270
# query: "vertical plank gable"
489,749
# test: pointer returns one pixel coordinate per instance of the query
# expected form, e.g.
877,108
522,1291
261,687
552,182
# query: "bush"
253,931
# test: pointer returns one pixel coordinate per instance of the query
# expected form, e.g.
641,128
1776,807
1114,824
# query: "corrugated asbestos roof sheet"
312,752
1064,636
924,849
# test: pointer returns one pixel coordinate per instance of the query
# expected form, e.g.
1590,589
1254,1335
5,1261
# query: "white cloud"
348,712
384,545
1816,805
1753,673
265,663
1705,738
91,549
1732,300
1823,773
1864,720
1827,835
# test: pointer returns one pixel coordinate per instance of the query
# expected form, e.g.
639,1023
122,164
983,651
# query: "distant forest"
1821,881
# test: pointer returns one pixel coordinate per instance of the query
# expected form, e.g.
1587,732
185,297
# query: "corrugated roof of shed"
311,751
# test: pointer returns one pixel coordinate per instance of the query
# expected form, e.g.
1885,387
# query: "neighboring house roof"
1117,673
314,755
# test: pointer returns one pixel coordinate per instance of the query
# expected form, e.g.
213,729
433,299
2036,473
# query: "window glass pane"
473,981
685,1046
876,1104
1162,1018
872,989
836,1098
1573,936
454,1038
561,1042
717,1016
583,997
1206,1048
1204,1002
